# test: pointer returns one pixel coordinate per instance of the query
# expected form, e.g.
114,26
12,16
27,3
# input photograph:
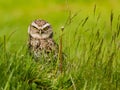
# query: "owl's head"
40,29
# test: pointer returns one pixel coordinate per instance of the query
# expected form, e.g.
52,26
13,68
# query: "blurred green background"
16,15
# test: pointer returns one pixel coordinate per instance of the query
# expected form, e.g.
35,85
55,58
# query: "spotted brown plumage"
41,43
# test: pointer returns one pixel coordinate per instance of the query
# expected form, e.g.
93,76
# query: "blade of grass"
7,83
73,83
111,19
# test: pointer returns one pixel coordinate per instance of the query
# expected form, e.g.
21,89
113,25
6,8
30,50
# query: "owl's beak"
41,31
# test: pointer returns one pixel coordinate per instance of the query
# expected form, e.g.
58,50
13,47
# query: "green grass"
91,41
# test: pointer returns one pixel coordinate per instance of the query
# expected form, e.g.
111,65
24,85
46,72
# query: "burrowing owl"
41,43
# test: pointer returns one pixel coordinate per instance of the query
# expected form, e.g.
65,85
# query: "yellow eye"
34,28
46,28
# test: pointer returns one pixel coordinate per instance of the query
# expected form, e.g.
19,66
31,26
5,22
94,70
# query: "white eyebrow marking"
46,25
35,25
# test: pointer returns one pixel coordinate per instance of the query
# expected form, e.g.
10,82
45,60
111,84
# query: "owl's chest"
43,48
42,44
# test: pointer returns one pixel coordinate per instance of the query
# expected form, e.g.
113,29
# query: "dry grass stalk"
60,51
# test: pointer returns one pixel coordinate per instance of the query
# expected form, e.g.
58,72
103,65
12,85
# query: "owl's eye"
34,28
46,28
